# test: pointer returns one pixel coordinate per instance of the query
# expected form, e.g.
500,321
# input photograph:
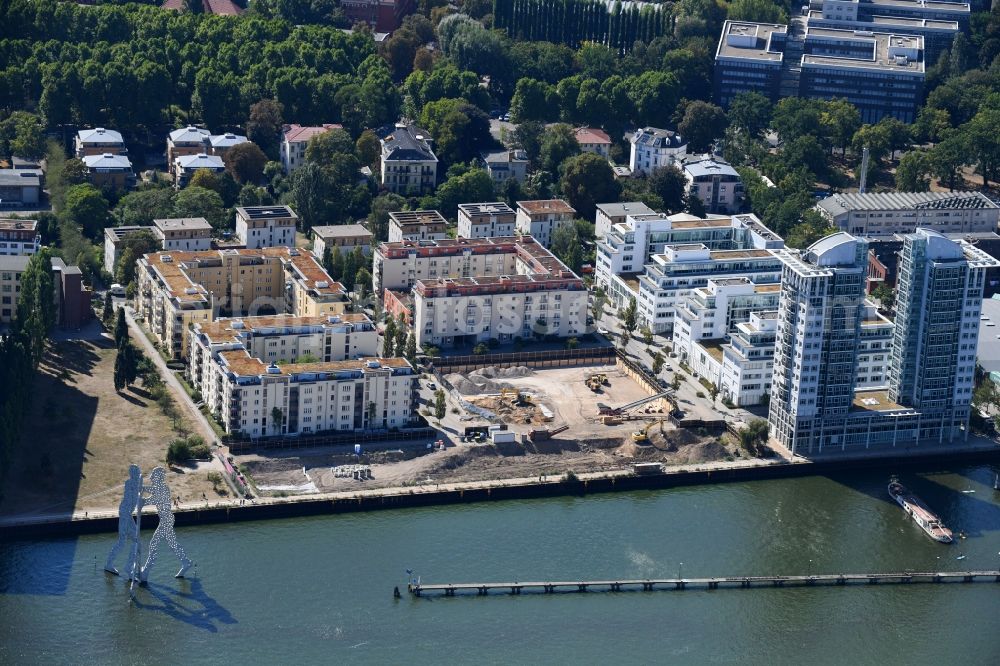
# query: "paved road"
180,395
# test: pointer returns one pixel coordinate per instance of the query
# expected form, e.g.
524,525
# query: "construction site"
518,422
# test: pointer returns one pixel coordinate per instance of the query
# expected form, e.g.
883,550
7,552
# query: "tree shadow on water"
189,604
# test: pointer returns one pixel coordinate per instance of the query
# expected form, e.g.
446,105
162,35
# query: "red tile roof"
216,7
592,135
294,133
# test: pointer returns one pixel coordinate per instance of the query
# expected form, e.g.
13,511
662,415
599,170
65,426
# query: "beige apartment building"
345,236
258,399
192,234
180,289
486,220
266,226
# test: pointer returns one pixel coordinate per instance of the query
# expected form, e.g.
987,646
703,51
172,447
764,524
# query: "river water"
319,590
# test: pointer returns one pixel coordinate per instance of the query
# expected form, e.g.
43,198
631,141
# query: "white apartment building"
266,226
817,404
748,360
610,214
713,311
409,165
466,291
653,148
295,140
417,225
540,219
193,234
486,220
257,399
114,241
882,215
19,237
659,259
715,182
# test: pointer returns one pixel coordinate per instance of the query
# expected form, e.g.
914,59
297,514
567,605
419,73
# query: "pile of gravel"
479,382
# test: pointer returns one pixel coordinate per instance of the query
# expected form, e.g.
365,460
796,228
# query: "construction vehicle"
640,437
543,434
596,381
607,410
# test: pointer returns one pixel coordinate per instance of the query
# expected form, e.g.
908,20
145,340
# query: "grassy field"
80,436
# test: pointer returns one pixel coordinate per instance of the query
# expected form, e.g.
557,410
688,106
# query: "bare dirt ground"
80,436
314,472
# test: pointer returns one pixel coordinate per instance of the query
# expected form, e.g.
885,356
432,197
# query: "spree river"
319,590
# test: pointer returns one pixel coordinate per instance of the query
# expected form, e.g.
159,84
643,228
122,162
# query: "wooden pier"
650,584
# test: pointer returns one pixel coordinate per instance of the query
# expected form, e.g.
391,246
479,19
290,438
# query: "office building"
179,289
882,215
540,219
266,226
19,237
486,220
417,225
749,58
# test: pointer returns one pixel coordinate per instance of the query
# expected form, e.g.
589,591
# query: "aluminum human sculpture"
128,528
159,494
129,517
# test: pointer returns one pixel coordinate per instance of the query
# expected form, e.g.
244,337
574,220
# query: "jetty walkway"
650,584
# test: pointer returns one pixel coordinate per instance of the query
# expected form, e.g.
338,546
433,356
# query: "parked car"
117,290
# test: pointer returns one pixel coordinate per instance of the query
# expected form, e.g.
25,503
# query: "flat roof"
714,347
491,208
230,328
882,45
118,233
875,401
15,263
341,231
265,212
242,364
538,206
19,178
745,40
988,352
955,7
183,223
417,217
625,208
906,22
11,224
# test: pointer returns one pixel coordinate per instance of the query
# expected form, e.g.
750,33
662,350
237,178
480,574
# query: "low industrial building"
882,215
266,226
347,237
19,237
190,234
417,225
179,289
542,218
486,220
19,188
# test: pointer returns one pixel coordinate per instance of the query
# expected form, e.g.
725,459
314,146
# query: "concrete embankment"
510,489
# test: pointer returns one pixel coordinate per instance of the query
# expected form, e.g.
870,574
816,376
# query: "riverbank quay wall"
413,497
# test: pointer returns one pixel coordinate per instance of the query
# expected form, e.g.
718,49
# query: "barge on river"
920,512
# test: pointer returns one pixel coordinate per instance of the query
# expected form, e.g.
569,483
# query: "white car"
117,290
603,331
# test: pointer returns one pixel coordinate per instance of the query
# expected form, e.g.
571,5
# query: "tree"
565,245
410,351
947,159
363,284
657,363
140,208
121,329
378,218
473,185
754,436
119,373
322,147
588,180
885,295
841,120
207,179
245,163
629,315
310,194
277,417
558,144
195,201
23,135
264,125
750,112
912,172
108,313
757,11
87,208
127,364
368,148
401,333
36,311
335,266
669,183
694,205
647,335
461,131
528,135
440,405
125,267
701,125
389,337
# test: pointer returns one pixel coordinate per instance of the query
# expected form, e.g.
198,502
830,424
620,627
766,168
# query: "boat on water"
920,512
